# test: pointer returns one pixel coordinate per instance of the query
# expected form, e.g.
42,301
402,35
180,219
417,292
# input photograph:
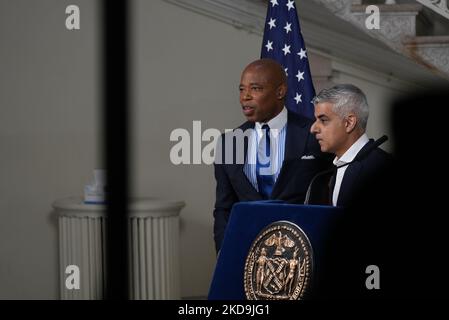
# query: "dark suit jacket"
365,178
364,235
291,186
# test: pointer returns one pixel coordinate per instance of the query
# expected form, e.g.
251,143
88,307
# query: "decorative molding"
250,16
426,40
437,56
398,21
391,81
433,51
397,24
337,7
393,27
246,15
439,6
326,40
408,8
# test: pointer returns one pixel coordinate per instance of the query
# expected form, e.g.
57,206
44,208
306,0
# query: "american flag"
283,42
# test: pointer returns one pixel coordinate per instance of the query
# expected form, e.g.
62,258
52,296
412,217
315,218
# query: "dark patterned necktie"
265,178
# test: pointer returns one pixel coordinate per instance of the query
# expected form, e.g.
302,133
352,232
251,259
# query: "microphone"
360,156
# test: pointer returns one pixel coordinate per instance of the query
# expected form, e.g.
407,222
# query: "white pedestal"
154,269
153,248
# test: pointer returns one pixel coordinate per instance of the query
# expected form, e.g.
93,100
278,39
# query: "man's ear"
282,91
351,122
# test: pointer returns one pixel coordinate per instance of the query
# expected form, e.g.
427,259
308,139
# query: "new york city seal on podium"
279,264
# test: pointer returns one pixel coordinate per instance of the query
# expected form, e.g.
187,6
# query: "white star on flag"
298,98
288,27
300,75
283,42
302,53
286,49
269,45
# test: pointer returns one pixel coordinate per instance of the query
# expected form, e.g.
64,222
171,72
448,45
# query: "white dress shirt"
278,129
348,156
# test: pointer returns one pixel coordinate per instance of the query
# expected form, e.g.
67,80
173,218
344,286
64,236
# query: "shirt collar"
351,153
276,124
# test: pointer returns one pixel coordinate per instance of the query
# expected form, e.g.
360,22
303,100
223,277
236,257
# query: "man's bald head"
273,70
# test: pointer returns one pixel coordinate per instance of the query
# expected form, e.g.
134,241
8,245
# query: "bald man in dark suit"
294,156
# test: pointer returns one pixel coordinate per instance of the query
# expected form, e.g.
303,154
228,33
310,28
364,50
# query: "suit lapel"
237,170
295,143
349,182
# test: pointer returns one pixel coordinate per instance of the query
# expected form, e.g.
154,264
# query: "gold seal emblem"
279,263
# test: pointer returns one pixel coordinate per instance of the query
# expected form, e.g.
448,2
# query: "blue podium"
246,222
